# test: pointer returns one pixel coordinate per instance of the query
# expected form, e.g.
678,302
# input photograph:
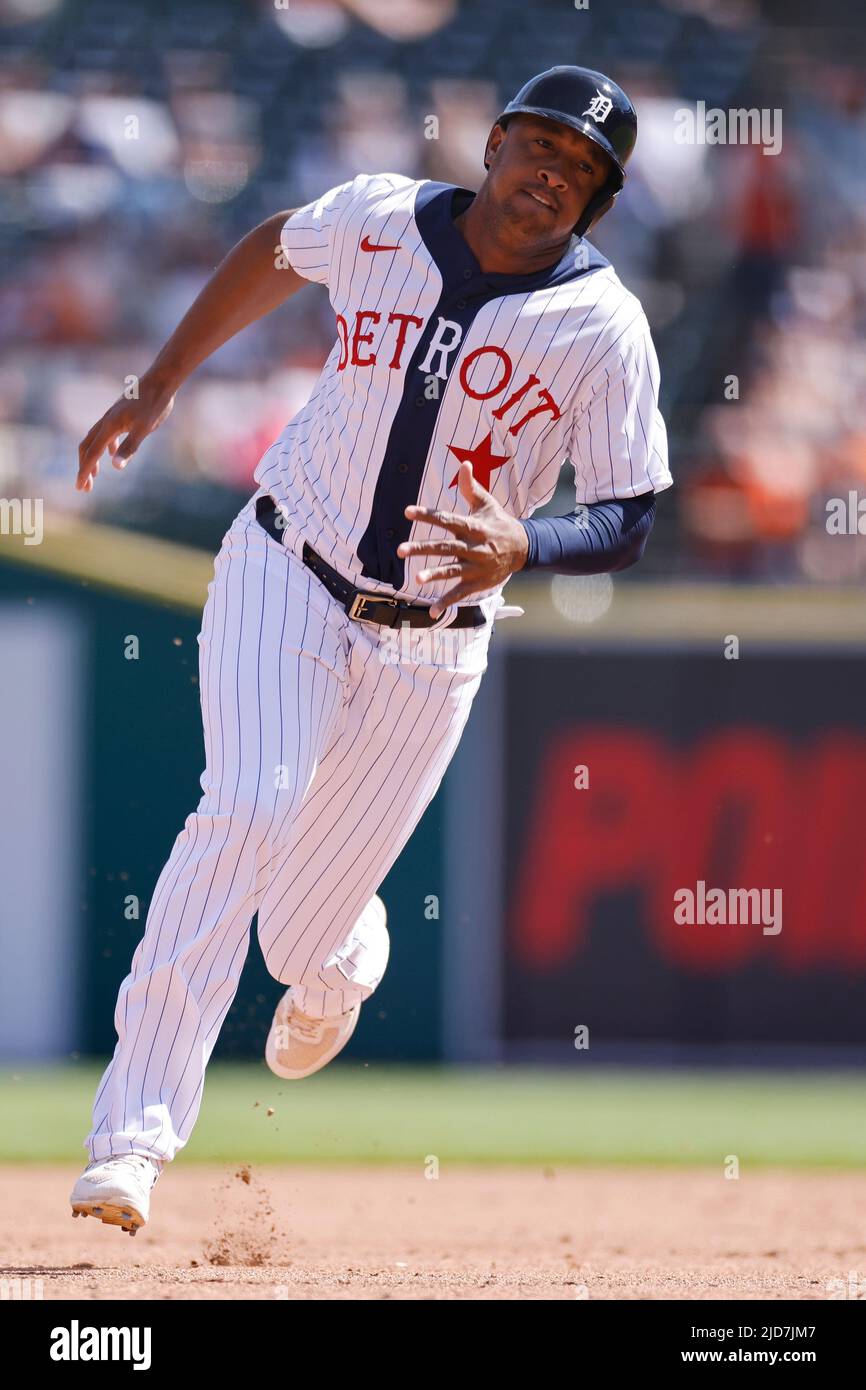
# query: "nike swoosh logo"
368,245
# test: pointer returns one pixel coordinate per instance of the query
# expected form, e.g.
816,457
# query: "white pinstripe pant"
320,760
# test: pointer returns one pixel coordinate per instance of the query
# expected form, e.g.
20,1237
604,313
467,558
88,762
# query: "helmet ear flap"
594,215
600,203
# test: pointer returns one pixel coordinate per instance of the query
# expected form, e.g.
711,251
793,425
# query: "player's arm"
489,545
253,279
597,538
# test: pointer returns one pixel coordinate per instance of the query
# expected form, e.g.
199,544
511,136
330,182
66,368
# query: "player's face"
543,174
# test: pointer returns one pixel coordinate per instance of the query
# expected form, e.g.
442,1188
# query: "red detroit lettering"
351,351
350,348
546,402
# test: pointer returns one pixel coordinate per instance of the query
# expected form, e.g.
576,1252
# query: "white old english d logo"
599,108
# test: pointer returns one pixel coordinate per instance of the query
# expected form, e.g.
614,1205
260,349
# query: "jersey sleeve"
313,233
618,444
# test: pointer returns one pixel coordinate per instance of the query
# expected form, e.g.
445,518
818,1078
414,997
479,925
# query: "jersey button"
467,275
390,533
419,400
402,468
461,304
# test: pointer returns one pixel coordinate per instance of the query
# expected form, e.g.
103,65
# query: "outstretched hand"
121,430
484,548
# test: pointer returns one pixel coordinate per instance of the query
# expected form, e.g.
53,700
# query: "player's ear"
494,140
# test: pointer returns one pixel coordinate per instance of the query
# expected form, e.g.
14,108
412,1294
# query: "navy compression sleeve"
595,539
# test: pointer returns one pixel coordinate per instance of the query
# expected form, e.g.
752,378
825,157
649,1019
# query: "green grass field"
383,1114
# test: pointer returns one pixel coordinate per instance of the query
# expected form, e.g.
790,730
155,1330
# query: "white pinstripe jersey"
436,361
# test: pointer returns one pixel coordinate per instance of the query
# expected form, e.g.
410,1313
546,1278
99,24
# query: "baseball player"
480,341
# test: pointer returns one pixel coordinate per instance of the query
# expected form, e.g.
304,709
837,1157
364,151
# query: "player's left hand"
485,547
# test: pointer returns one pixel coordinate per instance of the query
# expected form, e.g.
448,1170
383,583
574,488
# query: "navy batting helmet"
592,105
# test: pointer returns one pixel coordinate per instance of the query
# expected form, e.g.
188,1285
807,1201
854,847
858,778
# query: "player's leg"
401,726
272,665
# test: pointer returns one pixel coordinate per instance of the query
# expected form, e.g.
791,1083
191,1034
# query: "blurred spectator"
133,158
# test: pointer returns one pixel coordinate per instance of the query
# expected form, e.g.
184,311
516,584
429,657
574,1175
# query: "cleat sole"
127,1218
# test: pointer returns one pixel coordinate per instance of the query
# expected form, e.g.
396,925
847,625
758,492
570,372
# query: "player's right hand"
121,430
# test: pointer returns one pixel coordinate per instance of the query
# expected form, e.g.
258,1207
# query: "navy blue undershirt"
596,539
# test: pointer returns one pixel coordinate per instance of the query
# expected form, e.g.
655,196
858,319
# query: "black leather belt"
364,607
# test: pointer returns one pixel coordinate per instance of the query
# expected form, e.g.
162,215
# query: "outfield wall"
98,776
525,907
650,787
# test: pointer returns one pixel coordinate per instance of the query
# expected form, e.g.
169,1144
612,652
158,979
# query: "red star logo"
482,460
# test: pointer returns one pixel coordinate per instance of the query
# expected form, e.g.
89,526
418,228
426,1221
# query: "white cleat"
117,1190
299,1045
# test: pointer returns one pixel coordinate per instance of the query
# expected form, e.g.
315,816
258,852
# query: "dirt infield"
383,1233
